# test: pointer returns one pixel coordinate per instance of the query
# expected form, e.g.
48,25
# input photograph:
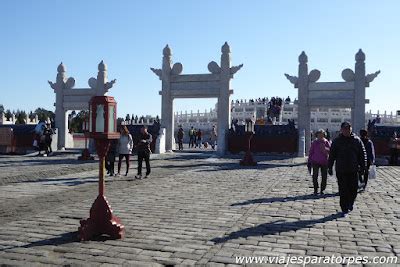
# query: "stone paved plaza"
196,209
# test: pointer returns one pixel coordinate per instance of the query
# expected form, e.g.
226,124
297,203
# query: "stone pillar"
61,119
167,111
304,113
359,92
224,112
101,79
301,144
160,142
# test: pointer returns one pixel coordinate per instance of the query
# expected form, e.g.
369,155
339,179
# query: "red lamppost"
248,159
102,128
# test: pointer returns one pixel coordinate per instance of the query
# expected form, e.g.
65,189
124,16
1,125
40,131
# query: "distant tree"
31,116
8,114
1,109
77,120
119,121
44,114
20,117
127,117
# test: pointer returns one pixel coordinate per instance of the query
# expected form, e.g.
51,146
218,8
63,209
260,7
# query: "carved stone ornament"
213,67
235,69
70,83
177,68
157,72
348,75
92,83
292,79
370,77
314,75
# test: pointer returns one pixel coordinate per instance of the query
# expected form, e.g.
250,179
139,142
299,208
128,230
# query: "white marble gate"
213,85
347,94
69,98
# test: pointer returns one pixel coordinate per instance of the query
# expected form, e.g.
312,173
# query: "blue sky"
266,36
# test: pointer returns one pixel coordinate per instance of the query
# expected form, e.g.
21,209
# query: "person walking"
180,138
318,157
369,148
125,146
348,151
393,149
144,152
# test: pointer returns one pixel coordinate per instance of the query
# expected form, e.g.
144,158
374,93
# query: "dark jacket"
369,148
48,135
180,134
349,154
112,151
144,143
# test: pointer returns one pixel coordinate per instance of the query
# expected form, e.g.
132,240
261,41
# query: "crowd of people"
197,138
43,138
273,106
123,149
352,155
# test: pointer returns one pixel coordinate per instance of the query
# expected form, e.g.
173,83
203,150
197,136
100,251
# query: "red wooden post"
101,220
248,159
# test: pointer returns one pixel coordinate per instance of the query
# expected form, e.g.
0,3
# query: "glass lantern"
103,118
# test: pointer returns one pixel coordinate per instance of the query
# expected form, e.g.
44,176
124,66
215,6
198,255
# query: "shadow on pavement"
65,238
273,228
61,181
283,199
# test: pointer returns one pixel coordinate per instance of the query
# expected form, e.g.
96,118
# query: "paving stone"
193,211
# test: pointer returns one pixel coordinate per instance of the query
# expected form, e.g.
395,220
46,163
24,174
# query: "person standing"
194,138
369,148
327,134
180,138
393,149
348,152
318,157
125,146
110,157
191,137
144,152
48,138
213,137
199,138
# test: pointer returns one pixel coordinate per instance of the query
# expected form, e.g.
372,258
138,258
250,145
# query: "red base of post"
101,222
248,159
85,155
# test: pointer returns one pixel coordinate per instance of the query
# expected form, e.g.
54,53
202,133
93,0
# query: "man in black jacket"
349,153
143,149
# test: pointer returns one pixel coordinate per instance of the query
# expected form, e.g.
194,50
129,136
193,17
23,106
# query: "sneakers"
118,175
344,214
315,191
139,176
